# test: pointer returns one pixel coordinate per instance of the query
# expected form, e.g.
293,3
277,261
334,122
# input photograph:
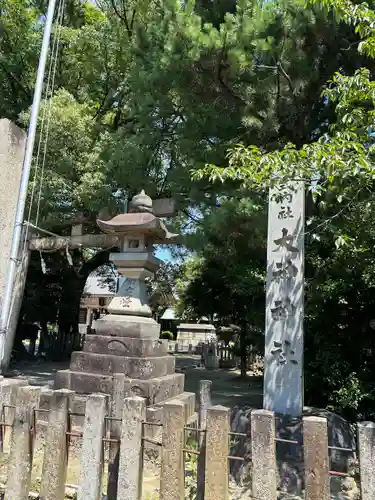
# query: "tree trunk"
73,286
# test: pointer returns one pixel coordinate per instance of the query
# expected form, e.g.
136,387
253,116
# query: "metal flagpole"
22,195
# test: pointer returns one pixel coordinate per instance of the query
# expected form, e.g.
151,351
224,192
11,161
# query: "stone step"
139,368
125,346
154,390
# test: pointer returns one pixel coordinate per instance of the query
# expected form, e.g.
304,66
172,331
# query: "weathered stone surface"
56,445
122,346
263,448
154,390
142,368
366,444
92,460
21,451
315,447
217,450
172,467
12,149
128,326
283,360
131,453
290,462
83,383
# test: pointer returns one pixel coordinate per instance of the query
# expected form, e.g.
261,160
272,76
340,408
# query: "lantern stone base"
129,348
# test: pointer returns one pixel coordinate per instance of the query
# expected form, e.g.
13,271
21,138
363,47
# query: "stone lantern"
137,231
126,341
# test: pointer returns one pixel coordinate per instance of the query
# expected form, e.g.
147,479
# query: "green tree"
225,280
340,236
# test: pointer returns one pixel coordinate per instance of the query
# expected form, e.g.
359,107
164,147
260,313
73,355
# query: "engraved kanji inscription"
282,309
285,213
284,271
284,354
285,242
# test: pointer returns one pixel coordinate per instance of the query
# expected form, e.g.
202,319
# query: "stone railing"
126,440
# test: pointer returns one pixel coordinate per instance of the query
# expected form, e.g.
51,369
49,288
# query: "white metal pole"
22,196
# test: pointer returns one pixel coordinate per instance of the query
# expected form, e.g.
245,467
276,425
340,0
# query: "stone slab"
283,359
128,326
12,150
125,346
140,368
154,390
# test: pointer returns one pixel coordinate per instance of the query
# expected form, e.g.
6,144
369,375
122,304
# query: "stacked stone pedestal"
148,368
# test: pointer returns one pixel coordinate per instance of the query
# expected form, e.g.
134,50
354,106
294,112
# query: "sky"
164,254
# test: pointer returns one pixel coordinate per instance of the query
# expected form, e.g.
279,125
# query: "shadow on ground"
228,389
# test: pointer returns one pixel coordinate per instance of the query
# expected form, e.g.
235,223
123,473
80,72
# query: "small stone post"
204,403
21,451
8,396
263,454
172,457
131,452
117,405
55,469
366,446
92,448
315,450
217,451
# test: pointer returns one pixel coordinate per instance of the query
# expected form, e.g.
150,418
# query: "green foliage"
226,278
167,335
337,162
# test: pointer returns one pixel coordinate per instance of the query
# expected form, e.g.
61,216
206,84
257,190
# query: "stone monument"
126,341
12,151
283,359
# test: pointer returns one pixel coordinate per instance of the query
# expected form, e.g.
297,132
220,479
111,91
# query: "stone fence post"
315,450
366,446
263,454
172,456
92,448
55,469
204,403
217,451
131,450
116,410
21,450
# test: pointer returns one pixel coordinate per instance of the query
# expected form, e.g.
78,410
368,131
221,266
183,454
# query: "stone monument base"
148,368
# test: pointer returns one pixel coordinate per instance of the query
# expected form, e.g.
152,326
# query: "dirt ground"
228,389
